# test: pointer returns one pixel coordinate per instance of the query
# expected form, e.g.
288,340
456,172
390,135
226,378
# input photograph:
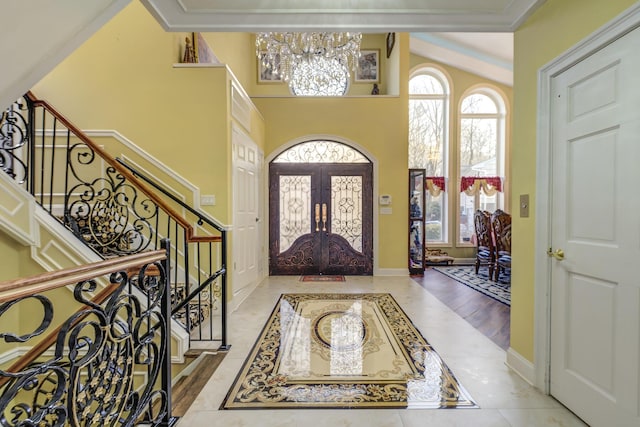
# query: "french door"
320,219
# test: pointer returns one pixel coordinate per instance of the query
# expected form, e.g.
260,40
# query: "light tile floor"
504,398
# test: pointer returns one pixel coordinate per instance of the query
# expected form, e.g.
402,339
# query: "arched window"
481,155
428,142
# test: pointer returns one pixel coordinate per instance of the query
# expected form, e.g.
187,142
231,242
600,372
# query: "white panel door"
595,289
247,241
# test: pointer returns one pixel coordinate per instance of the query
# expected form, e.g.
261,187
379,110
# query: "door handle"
558,254
324,217
317,217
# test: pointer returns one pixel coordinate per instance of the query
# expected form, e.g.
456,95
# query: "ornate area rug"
480,282
343,351
328,278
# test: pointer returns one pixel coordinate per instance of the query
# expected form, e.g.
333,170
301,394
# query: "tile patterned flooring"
504,398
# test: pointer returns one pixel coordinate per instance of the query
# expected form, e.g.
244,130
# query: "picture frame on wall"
203,53
391,41
368,69
270,73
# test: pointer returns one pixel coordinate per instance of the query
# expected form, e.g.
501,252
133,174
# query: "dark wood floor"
484,313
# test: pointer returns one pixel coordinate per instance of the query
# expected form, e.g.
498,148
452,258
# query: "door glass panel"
295,205
346,209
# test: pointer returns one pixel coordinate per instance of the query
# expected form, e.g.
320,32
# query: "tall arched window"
428,142
481,157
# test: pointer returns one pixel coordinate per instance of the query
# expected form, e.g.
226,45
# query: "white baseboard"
521,366
391,272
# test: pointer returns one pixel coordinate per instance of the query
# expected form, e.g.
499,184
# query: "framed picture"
203,53
368,70
391,40
270,73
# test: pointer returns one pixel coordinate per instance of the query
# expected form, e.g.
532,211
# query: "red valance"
435,185
472,184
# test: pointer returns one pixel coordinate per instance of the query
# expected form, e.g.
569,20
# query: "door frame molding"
615,29
342,140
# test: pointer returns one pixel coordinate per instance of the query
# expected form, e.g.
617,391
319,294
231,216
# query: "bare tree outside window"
428,142
479,156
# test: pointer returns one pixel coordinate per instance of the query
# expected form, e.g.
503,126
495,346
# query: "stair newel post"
31,145
223,303
187,277
165,244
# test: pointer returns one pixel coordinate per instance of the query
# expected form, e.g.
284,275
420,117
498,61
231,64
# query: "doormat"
329,278
343,351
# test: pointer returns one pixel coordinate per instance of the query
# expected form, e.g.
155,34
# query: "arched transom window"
321,151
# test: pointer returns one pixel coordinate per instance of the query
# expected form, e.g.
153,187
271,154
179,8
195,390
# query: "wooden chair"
485,254
501,223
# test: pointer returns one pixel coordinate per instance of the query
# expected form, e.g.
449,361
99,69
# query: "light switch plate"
524,206
208,200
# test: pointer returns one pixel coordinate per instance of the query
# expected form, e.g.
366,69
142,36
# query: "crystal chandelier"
324,58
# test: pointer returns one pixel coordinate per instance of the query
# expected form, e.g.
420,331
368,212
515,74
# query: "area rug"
343,351
480,282
323,278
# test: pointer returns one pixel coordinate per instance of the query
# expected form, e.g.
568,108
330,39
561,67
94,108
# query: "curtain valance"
435,185
471,185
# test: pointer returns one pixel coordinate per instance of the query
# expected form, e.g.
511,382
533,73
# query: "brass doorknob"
558,254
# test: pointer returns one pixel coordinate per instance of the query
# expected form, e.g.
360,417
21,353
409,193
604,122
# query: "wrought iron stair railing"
103,360
114,213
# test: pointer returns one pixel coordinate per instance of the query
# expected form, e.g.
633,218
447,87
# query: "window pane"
474,104
478,147
479,154
295,208
435,224
426,136
428,144
425,85
321,152
488,203
466,225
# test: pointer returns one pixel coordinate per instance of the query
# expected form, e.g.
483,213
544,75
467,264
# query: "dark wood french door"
320,218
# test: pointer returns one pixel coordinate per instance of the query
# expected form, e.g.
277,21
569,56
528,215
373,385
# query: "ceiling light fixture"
292,55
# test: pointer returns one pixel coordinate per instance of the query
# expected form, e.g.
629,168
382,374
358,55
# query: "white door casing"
247,235
589,339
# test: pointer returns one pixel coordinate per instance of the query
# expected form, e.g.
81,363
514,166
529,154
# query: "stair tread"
187,388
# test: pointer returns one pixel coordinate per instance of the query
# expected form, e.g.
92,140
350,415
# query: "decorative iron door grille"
320,219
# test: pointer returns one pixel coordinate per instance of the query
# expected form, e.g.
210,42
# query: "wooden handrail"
191,237
18,288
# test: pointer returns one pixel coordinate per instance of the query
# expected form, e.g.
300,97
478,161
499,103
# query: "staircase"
101,207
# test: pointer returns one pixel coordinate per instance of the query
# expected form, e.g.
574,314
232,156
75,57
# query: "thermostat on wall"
385,199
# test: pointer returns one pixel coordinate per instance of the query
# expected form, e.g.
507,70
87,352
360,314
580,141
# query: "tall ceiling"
373,16
489,55
474,35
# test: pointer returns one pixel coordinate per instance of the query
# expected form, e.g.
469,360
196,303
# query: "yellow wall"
461,83
125,74
379,124
551,30
237,51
